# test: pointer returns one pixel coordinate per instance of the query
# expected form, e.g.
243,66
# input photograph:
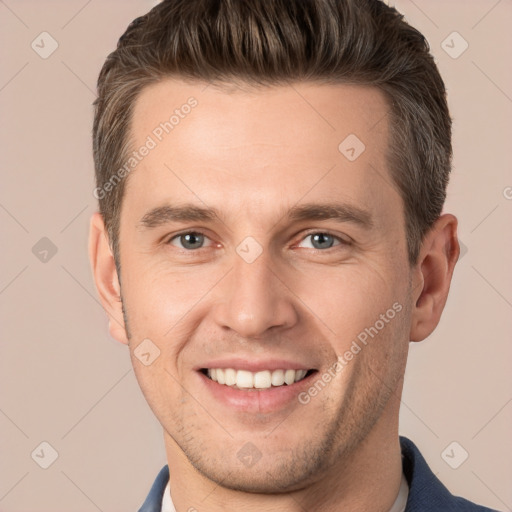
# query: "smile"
266,379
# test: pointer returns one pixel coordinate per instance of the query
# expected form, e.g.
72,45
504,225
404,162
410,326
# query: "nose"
255,299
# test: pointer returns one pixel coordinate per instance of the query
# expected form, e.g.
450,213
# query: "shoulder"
426,491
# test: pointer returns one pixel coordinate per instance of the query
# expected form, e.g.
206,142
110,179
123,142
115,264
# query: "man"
271,176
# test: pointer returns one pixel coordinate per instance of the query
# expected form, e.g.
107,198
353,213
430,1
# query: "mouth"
257,381
256,386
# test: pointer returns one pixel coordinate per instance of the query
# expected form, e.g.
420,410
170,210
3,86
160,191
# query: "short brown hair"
274,42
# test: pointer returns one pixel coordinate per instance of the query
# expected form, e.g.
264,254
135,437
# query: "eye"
190,240
322,240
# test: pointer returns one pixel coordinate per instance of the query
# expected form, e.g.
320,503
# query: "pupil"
191,240
323,239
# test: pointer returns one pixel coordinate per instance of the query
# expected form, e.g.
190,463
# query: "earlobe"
438,255
106,278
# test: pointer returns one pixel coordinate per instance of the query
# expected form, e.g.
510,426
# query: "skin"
253,155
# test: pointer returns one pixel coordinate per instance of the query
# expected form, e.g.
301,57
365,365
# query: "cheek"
157,299
163,394
352,298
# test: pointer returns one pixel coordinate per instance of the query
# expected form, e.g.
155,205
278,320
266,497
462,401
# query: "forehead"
235,147
290,115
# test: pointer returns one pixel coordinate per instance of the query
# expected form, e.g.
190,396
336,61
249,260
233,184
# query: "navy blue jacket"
426,492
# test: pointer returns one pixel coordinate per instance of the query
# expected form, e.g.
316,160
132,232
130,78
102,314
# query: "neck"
368,479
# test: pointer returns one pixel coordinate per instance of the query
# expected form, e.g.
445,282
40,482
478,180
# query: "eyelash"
342,242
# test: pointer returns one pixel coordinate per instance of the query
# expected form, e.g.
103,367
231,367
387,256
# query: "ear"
106,278
432,276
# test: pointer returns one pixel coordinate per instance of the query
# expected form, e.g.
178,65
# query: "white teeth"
289,377
244,379
278,378
230,376
258,380
300,374
262,380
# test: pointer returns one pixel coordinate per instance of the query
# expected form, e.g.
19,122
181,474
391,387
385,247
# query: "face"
258,237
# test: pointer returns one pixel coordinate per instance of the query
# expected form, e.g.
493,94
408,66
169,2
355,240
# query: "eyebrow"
339,212
186,213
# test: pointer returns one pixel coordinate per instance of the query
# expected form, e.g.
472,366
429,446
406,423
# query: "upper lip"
252,365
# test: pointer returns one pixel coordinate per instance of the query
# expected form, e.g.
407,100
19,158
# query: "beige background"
63,380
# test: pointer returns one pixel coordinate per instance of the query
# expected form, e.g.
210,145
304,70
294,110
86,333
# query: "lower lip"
256,400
